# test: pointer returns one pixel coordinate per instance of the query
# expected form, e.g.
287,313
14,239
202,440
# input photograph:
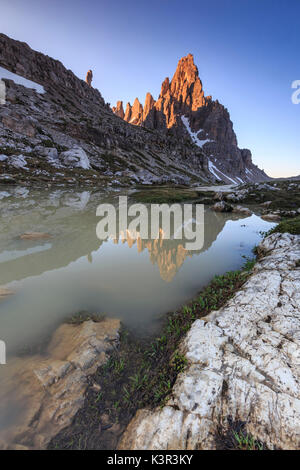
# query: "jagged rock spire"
186,86
184,94
149,105
127,116
119,110
89,78
136,113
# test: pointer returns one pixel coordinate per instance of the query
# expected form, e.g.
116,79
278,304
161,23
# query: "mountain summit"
183,109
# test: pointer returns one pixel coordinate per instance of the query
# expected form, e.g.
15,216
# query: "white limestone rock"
243,363
75,158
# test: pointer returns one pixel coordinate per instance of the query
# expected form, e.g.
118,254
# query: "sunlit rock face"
89,78
119,110
136,115
206,122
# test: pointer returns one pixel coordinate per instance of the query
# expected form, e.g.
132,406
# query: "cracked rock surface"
243,362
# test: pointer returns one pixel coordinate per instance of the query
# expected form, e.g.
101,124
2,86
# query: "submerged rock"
4,292
34,236
242,210
222,206
271,217
49,389
243,363
7,179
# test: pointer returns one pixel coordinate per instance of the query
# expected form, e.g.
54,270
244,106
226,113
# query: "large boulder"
50,153
75,158
242,210
222,206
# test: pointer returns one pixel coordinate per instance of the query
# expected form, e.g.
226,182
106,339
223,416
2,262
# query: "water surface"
73,270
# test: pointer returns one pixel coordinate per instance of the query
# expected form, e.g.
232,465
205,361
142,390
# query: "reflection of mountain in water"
71,220
169,255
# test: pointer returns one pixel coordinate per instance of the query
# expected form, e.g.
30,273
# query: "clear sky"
247,52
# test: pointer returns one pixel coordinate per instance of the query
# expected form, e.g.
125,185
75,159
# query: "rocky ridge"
183,109
272,200
243,364
38,128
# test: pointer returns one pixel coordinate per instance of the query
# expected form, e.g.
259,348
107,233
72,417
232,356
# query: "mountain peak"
183,107
165,86
119,110
186,70
186,86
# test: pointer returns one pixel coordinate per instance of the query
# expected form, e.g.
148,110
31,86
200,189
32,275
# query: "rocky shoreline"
243,364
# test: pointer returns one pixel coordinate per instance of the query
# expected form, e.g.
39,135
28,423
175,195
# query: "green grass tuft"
287,226
164,195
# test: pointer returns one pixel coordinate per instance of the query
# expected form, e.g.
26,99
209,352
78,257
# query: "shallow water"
73,270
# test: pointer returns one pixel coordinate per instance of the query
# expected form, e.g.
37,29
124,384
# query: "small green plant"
119,365
247,442
99,397
179,362
47,143
249,264
287,226
83,316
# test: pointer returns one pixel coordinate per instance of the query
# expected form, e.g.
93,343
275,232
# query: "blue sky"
247,52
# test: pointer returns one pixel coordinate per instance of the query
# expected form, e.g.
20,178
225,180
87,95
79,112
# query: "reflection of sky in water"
14,254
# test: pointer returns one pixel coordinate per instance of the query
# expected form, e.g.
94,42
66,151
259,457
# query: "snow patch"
21,80
193,135
2,92
212,168
240,179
